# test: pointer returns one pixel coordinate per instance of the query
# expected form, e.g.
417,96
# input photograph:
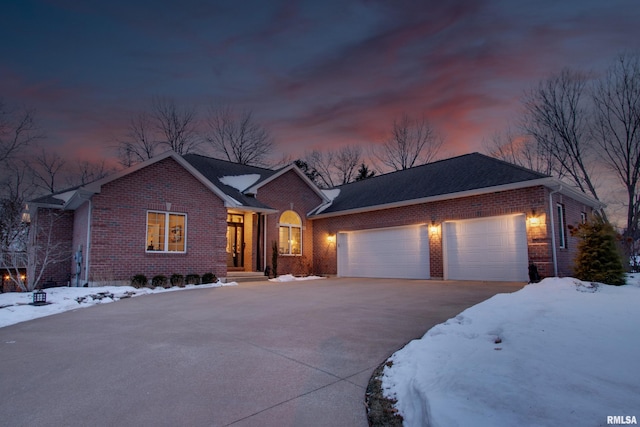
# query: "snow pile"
240,182
292,278
560,352
15,306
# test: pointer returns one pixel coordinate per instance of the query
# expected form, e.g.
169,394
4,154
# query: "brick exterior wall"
116,219
119,222
572,211
290,192
521,201
80,229
57,227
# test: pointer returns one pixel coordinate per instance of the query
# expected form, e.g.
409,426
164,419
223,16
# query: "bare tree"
412,142
46,168
140,143
237,137
347,160
177,125
14,229
557,117
18,129
521,150
86,171
335,167
42,251
165,127
616,99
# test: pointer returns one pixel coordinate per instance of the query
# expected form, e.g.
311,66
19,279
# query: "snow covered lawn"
557,353
15,306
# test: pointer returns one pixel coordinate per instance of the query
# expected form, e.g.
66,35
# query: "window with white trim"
290,234
562,226
166,232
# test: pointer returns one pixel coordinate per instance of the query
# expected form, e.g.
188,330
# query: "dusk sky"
317,74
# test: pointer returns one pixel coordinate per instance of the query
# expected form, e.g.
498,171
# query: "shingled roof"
215,169
446,177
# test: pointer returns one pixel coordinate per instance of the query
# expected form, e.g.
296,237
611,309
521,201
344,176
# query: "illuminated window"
166,232
290,233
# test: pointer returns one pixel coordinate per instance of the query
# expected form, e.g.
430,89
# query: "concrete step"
246,276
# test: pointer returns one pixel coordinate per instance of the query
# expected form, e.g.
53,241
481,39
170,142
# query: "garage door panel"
401,252
486,249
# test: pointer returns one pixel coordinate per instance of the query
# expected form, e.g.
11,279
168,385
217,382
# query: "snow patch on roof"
240,182
64,196
331,195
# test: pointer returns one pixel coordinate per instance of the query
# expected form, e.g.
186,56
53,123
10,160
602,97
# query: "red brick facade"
290,192
529,201
118,225
110,228
52,229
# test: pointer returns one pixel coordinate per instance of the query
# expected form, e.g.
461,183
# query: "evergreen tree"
598,258
364,172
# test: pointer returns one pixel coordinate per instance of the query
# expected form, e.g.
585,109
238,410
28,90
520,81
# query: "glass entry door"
235,240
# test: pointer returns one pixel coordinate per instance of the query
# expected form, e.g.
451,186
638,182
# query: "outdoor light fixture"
433,228
534,219
331,238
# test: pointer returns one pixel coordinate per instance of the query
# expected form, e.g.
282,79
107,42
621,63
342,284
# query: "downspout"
86,256
258,251
553,232
265,240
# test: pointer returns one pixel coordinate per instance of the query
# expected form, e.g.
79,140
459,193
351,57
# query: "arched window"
290,233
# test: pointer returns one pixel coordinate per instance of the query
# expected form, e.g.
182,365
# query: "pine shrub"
177,280
209,278
598,258
139,281
159,281
193,279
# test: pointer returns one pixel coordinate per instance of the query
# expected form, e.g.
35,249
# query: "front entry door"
235,241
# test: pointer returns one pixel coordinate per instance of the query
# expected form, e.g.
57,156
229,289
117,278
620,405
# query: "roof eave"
546,182
228,200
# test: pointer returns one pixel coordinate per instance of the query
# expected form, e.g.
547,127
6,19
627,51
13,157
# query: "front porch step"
246,276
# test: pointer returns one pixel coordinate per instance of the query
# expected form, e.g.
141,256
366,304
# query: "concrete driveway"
276,354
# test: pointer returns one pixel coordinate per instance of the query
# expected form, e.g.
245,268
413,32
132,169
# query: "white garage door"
492,248
398,252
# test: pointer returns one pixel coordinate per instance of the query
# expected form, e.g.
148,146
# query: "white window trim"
290,226
562,232
166,232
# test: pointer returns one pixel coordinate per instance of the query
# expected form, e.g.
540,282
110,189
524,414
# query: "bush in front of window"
139,281
209,278
193,279
177,280
160,281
